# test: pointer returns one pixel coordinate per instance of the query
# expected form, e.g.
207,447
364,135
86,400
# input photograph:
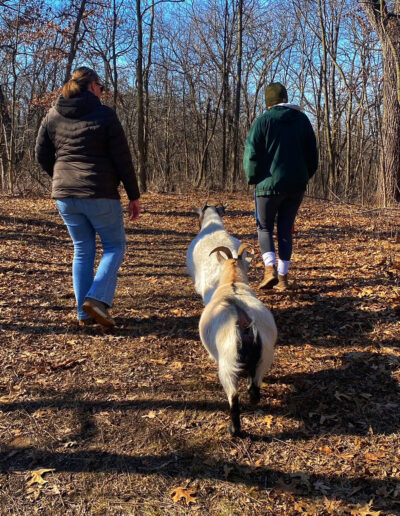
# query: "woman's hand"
134,210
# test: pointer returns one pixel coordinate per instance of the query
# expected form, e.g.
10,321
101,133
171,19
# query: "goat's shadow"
350,405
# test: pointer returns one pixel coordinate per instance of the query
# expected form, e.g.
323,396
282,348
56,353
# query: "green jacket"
280,154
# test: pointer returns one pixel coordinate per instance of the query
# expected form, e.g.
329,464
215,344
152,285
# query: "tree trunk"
328,128
389,178
74,41
235,149
387,26
114,55
142,173
6,130
225,86
146,94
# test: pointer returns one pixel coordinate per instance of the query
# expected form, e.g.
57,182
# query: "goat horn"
225,250
243,248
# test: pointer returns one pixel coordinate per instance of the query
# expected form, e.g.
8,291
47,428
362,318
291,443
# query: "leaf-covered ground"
134,422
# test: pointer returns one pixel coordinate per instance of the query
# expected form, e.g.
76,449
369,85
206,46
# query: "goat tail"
249,342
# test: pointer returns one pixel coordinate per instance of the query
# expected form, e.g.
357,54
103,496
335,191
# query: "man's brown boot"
282,282
270,277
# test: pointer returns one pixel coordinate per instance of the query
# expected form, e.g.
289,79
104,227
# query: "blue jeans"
84,218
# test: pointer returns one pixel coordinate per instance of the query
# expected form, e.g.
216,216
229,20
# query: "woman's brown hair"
79,82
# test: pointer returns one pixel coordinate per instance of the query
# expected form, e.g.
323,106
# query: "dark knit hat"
275,93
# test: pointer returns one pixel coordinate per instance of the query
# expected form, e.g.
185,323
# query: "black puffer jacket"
82,145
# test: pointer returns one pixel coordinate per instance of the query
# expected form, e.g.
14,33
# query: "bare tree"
386,24
75,39
236,118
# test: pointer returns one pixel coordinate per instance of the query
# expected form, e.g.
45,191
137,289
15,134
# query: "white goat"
238,331
203,267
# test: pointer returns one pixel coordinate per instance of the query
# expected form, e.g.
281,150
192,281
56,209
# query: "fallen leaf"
158,361
331,505
151,415
67,364
364,510
8,399
41,412
54,490
70,444
177,311
37,476
181,492
21,442
372,457
178,366
35,491
268,421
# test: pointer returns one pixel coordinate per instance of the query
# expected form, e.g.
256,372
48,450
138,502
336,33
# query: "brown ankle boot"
98,311
282,282
270,277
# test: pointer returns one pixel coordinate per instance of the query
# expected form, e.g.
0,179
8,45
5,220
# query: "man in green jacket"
280,157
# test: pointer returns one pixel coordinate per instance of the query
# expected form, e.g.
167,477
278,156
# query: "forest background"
187,79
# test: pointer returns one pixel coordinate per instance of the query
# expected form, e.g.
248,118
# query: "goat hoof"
234,431
254,400
254,394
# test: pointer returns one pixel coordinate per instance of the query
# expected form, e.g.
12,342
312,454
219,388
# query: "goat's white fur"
220,335
203,268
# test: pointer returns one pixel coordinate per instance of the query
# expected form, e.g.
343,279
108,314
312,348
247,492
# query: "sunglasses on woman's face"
100,86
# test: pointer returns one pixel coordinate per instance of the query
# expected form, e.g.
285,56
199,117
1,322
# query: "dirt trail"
134,422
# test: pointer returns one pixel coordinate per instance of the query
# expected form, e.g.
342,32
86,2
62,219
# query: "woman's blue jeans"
84,218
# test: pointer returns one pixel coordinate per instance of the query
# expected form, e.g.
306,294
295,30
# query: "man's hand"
134,210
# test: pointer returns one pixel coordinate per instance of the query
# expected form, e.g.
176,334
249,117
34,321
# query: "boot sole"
86,322
97,315
269,284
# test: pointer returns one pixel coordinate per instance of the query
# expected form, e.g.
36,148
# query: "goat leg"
234,428
254,393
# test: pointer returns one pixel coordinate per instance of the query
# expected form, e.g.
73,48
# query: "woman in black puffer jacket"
82,146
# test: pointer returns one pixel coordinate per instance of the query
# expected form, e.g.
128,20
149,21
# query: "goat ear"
221,210
246,253
221,258
249,257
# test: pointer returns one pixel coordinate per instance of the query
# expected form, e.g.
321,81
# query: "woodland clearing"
134,422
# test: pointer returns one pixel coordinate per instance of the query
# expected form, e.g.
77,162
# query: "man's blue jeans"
84,218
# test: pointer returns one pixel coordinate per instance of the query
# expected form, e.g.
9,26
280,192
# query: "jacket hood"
76,107
285,113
